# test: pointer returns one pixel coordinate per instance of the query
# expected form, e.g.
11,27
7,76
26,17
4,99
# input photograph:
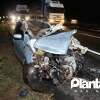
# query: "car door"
22,50
18,48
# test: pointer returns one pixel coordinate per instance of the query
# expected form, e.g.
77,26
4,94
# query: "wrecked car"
50,58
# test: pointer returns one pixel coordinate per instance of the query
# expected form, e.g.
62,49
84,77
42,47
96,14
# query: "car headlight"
74,21
27,18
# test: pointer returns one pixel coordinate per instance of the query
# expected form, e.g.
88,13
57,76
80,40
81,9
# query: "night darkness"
84,10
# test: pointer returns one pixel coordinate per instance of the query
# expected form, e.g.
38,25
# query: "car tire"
35,83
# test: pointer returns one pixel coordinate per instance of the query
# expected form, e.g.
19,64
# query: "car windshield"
22,12
56,10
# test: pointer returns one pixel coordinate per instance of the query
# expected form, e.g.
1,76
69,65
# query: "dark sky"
84,9
7,5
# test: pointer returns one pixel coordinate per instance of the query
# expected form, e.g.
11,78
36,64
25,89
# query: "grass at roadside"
4,27
11,80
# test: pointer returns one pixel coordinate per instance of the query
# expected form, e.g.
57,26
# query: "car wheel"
30,78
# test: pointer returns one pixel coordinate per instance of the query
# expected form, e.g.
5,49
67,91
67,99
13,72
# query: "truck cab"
54,11
22,12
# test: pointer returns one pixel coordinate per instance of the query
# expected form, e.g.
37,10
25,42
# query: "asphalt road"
89,39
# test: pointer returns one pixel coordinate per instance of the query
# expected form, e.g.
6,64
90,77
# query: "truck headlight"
13,18
18,18
51,20
12,26
62,21
27,18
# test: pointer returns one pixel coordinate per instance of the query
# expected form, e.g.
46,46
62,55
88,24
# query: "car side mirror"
17,36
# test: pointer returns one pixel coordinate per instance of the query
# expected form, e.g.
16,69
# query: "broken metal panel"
56,43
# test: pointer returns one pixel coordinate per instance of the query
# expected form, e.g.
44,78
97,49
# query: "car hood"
55,43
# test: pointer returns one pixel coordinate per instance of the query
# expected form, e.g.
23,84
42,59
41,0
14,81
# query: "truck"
21,13
53,11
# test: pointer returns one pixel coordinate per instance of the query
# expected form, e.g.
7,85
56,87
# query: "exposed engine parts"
52,67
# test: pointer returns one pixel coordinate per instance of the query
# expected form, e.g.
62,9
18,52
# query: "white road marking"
89,35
